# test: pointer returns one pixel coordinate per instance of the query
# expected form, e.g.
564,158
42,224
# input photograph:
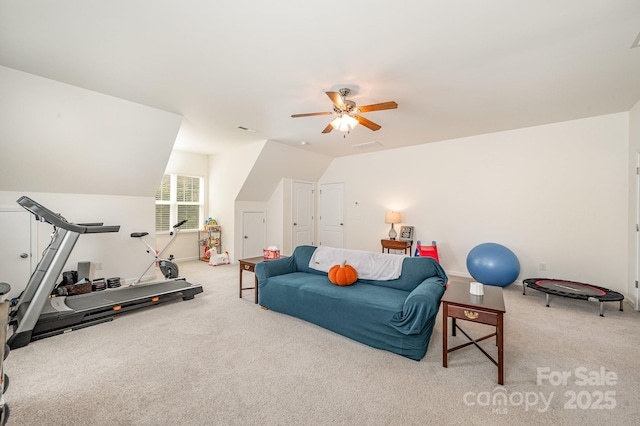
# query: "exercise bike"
168,268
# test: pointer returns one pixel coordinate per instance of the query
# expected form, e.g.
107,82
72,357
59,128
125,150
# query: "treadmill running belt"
121,295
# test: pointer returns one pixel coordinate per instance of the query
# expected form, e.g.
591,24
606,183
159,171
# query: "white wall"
63,139
241,207
287,217
188,163
277,217
89,156
269,182
277,161
227,173
554,194
185,246
634,188
248,177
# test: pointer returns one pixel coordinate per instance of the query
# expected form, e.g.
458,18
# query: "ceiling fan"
348,113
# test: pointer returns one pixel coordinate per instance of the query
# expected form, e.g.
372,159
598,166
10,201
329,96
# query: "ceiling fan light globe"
344,123
351,122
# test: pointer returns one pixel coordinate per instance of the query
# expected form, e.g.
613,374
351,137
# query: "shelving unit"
209,239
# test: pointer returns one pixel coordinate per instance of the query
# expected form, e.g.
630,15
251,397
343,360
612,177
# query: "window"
179,198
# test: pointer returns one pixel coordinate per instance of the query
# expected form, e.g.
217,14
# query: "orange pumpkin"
343,274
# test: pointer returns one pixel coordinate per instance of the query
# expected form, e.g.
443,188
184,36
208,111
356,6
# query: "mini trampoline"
574,290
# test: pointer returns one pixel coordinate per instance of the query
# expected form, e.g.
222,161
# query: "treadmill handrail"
44,214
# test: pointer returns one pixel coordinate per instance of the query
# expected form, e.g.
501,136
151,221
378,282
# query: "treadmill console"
43,214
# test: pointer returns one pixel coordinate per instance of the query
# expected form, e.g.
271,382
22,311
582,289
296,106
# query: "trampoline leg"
621,306
601,306
524,288
547,297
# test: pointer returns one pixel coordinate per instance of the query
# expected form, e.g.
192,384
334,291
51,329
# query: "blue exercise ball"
493,264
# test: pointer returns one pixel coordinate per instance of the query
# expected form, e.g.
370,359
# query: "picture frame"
406,233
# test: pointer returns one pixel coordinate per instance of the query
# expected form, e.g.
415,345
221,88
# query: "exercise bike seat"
138,234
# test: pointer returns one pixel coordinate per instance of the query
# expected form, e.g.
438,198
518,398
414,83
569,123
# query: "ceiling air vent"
367,145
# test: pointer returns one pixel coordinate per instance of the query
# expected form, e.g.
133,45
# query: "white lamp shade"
392,217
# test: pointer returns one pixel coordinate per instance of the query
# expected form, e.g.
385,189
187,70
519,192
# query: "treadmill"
36,315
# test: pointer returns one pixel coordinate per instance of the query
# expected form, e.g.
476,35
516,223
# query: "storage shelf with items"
211,239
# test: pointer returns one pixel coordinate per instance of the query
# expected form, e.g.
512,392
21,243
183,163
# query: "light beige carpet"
221,360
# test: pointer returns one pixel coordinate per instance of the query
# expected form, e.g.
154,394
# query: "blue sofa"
396,315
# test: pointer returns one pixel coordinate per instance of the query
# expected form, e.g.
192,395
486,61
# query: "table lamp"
392,217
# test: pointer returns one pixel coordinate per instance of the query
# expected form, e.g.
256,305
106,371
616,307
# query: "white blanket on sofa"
370,266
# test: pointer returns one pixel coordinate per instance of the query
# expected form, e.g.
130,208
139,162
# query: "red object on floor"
428,251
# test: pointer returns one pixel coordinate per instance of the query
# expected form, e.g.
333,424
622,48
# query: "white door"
302,214
253,233
332,215
17,230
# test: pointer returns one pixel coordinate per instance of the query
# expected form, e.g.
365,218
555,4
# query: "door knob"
24,255
245,237
295,224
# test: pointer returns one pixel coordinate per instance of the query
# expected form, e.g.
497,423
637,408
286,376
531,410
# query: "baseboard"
459,274
631,302
145,278
156,274
186,259
463,276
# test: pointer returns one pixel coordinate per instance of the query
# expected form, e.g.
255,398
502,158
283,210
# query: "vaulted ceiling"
456,68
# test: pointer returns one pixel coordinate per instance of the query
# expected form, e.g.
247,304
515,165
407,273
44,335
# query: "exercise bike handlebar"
179,224
44,214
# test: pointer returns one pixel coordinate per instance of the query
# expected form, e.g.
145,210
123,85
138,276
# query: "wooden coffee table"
458,303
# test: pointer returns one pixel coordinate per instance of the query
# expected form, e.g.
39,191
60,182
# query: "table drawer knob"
471,315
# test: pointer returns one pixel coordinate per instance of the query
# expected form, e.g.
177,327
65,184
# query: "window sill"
183,231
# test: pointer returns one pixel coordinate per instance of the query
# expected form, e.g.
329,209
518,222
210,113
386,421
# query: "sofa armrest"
271,268
420,306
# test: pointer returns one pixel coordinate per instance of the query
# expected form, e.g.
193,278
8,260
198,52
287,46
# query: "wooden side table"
249,265
458,303
397,245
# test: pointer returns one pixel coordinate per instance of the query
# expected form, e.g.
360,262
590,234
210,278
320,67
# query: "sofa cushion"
414,269
370,265
301,257
315,299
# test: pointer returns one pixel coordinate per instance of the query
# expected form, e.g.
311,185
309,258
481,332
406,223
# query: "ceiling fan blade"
378,107
367,123
336,99
328,129
311,114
